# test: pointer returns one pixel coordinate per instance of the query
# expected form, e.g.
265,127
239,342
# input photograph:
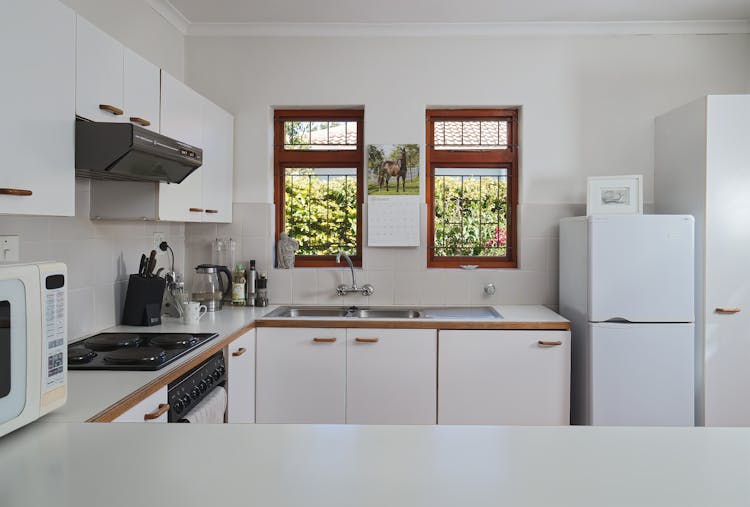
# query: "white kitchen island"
126,465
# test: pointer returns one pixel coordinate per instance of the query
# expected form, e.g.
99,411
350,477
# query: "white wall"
135,24
588,108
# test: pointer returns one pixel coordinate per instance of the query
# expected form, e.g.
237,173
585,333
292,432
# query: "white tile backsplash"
99,255
399,275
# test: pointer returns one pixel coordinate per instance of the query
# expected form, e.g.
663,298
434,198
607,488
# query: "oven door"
13,360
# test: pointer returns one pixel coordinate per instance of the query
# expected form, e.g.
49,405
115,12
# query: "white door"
504,377
181,119
641,374
99,74
641,268
727,339
154,409
241,379
300,376
391,376
142,90
218,163
37,134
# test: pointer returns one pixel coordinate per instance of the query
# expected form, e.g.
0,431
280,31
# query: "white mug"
192,311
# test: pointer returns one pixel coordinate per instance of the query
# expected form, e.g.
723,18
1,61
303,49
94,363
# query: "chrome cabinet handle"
163,409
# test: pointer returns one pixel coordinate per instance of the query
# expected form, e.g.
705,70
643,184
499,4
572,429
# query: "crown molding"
171,14
466,29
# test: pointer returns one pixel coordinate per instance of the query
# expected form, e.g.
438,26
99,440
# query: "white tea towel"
210,409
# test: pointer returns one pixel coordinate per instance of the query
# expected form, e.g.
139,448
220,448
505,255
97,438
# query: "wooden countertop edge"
420,324
115,410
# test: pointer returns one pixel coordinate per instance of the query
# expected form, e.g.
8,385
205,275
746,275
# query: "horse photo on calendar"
393,169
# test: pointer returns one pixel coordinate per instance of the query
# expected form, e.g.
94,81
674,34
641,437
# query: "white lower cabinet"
241,379
504,377
390,376
152,410
301,375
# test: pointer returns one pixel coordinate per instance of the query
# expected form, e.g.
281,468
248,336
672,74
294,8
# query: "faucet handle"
368,290
342,289
489,289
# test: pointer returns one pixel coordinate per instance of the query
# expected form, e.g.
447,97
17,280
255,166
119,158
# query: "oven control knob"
178,406
195,393
202,386
221,370
185,400
216,374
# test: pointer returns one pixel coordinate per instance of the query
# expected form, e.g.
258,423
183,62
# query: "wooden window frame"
489,158
332,158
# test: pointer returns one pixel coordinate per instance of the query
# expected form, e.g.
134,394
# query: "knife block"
143,301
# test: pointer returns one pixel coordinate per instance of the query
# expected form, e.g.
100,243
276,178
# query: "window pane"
321,209
471,212
471,135
320,135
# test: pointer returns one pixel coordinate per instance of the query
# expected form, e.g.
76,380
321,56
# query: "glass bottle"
238,286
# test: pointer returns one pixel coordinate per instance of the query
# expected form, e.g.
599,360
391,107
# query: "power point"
9,249
158,238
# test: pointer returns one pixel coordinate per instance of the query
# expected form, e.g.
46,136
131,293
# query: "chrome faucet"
343,289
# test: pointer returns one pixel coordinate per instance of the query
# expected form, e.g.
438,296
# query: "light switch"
9,249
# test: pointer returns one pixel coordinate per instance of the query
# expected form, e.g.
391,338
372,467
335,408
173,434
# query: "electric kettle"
208,288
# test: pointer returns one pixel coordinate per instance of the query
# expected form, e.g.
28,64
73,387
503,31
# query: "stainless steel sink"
355,312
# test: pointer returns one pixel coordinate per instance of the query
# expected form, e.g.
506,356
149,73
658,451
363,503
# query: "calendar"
393,221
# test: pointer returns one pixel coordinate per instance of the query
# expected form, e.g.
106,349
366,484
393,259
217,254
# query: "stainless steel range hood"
123,151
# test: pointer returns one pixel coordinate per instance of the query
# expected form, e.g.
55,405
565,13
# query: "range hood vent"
123,151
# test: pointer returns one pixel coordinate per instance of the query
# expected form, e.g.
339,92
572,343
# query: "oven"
199,396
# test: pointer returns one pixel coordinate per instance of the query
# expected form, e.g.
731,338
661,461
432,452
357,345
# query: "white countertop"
90,392
87,465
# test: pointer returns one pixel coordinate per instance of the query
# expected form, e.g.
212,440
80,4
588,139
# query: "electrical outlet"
158,238
9,249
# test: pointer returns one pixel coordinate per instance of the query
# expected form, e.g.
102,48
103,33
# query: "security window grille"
472,187
319,181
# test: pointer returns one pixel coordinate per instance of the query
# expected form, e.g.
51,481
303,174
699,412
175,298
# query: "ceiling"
456,11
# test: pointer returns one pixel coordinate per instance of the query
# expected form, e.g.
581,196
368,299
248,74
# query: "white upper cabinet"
99,74
141,91
182,119
218,162
37,51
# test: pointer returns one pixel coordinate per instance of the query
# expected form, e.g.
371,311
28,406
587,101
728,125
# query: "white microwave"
33,342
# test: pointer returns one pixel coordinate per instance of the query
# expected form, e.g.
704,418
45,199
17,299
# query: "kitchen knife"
158,271
142,267
151,264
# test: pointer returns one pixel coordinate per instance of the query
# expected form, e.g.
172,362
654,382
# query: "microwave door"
13,361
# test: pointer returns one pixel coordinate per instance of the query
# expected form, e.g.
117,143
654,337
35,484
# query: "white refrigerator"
626,285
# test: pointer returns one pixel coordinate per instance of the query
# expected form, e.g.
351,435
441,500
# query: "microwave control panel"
55,329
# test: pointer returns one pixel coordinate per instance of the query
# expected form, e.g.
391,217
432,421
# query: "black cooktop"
133,351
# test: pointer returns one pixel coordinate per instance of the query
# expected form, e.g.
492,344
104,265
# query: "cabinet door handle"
212,211
239,352
545,343
728,310
367,340
196,210
324,340
140,121
163,409
111,109
15,191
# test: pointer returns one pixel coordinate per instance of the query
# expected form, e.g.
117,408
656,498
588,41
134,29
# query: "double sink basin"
368,312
